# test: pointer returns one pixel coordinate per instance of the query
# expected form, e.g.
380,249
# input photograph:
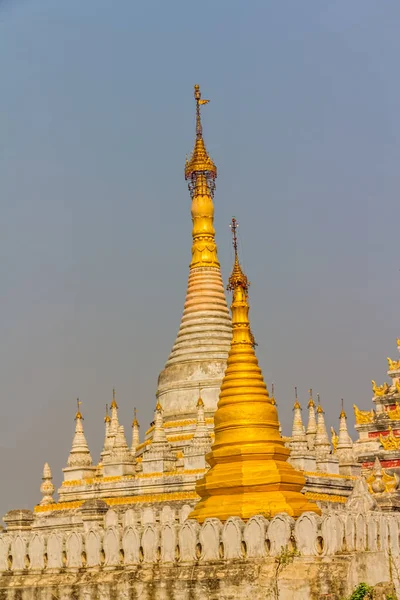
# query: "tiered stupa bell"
249,471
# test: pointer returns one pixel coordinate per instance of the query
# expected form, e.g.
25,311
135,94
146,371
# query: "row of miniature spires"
115,445
111,543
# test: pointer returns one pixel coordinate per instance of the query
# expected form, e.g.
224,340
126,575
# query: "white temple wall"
157,555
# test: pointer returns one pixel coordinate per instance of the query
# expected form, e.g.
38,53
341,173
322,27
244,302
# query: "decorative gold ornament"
390,442
394,365
201,172
114,402
249,472
335,439
363,416
380,390
380,482
394,413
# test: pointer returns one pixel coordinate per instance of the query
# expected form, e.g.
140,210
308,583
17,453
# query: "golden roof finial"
135,422
114,402
311,402
78,412
107,418
297,403
342,413
200,401
273,401
237,277
200,163
319,407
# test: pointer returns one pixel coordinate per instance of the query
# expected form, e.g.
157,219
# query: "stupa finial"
200,173
135,432
47,487
107,418
78,412
200,163
296,402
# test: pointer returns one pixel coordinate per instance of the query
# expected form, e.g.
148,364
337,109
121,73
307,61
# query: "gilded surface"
325,497
394,413
163,497
363,416
201,172
249,471
380,390
335,439
394,365
380,481
390,442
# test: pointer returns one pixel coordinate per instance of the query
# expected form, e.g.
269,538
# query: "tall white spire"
347,461
312,423
300,455
200,352
135,433
80,462
326,461
47,487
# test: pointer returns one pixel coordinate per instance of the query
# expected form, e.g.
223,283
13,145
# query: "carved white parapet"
210,540
142,536
280,533
232,538
189,544
307,534
254,536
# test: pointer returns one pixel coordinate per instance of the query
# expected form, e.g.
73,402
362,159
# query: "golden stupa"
249,471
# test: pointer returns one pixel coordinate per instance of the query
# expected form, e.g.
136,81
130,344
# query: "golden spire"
199,162
297,403
200,400
249,471
135,422
311,401
273,401
342,413
107,418
78,412
114,402
200,172
320,410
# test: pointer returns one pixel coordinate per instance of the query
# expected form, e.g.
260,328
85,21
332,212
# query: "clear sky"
96,117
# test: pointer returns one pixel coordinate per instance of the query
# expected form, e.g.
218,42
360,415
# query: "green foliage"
282,560
362,592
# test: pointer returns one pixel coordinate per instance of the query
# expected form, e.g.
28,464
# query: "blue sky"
96,118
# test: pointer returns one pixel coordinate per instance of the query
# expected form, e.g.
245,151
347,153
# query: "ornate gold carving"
335,439
394,365
329,475
325,497
363,416
390,442
380,481
165,497
380,390
394,414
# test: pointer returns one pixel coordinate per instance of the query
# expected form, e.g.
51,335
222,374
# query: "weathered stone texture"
156,557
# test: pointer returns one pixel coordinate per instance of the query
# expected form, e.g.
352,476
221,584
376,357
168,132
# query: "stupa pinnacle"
199,354
249,471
